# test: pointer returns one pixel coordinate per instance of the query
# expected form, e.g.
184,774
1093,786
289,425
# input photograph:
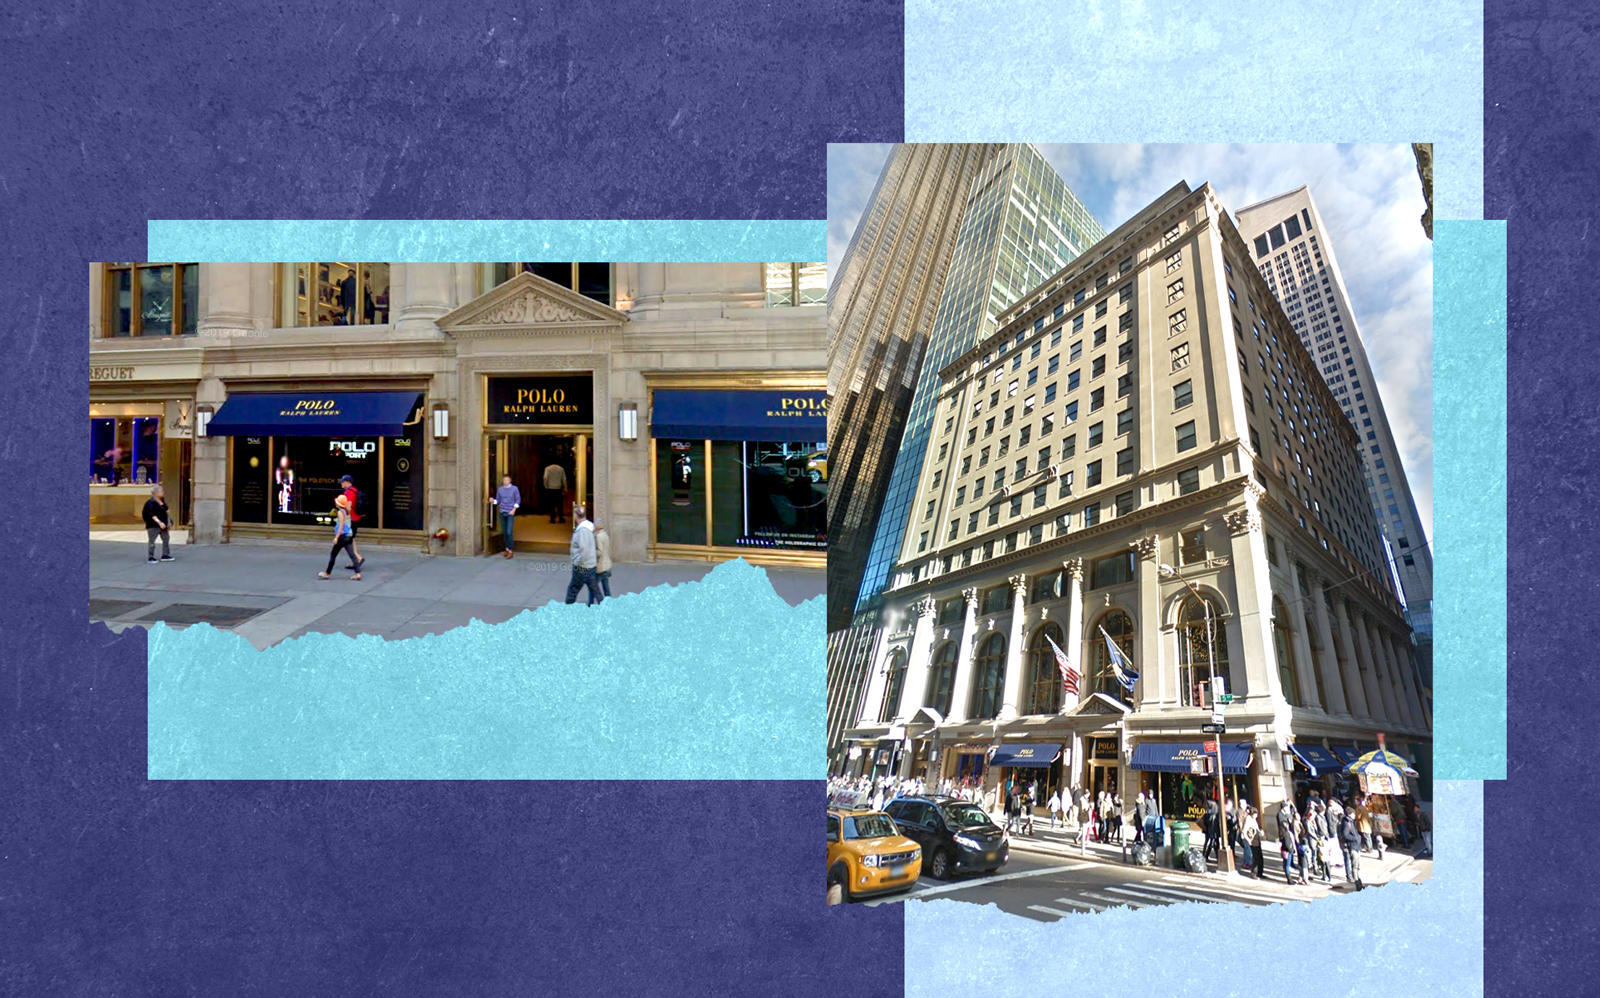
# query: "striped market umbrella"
1381,763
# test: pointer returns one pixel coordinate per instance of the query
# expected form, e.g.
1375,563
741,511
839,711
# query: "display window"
769,494
125,450
151,299
295,480
336,294
681,491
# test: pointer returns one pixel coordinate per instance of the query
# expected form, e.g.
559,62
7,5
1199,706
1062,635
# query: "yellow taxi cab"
867,855
817,466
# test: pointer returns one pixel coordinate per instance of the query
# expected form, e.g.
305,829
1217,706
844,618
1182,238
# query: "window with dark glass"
1125,461
151,299
1044,676
1111,570
1186,437
1092,474
1188,481
1125,503
335,294
942,679
892,690
796,283
1118,626
988,680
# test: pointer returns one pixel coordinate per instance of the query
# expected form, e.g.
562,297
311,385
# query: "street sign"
1216,716
1225,698
1216,728
1210,747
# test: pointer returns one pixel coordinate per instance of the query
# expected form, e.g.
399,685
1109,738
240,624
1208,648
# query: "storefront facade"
262,397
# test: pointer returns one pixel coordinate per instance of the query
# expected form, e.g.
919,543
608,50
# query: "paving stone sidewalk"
266,592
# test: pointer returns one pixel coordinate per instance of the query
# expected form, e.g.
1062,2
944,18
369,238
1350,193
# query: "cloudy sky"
1368,194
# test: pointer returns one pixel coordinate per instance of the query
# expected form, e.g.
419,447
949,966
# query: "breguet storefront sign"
564,399
110,372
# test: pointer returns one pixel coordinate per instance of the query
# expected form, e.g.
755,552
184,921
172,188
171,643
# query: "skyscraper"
881,306
1294,252
1019,223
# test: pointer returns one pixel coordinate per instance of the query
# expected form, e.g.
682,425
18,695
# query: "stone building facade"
684,402
1142,456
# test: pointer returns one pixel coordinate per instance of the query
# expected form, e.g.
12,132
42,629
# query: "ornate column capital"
1243,521
1019,584
970,594
1073,567
925,607
1148,547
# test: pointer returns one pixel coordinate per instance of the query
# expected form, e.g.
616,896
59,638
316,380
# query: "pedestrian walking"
1289,841
1250,839
1213,840
602,561
1425,830
1148,815
1316,832
1350,844
157,523
342,537
1055,809
507,499
555,491
1117,821
583,556
348,485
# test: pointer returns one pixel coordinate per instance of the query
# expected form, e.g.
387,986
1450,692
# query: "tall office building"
1139,455
1019,224
881,306
1294,251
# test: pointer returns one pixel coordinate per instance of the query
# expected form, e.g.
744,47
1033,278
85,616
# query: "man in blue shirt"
507,498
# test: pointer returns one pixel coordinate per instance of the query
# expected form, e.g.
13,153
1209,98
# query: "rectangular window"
1097,367
1125,461
1186,440
1174,291
1178,322
1112,570
786,283
1124,293
1091,514
1124,385
996,599
1072,411
1053,365
1188,481
1192,547
1096,433
1180,356
1072,381
1125,352
1183,394
1125,504
1069,445
1041,495
1124,422
1097,399
1065,486
350,294
994,515
1075,351
158,299
1092,474
1174,261
1100,337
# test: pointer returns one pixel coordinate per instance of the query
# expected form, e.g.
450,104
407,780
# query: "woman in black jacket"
157,523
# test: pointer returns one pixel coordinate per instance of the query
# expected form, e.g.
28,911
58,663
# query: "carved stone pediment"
528,305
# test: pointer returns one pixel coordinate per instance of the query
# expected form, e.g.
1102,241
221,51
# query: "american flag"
1069,675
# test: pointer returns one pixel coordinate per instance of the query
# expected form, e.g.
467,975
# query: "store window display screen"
771,494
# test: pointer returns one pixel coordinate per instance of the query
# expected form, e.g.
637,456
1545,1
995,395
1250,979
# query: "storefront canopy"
1317,759
1026,756
315,414
777,414
1174,757
1346,754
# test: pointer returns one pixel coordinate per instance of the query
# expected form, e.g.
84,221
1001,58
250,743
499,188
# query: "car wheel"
992,869
940,866
815,476
839,885
835,893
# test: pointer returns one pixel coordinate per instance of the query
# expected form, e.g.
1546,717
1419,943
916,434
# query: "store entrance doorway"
544,522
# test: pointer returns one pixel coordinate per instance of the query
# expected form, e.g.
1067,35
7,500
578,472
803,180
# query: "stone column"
1254,614
1152,669
1305,666
1386,676
1404,693
961,689
1353,672
1010,705
1338,698
877,678
1073,631
226,308
1369,670
430,293
210,498
916,687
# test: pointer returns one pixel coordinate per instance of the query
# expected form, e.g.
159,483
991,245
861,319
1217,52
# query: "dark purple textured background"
1541,113
113,114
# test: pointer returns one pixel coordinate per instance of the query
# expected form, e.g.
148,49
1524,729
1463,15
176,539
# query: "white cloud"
853,170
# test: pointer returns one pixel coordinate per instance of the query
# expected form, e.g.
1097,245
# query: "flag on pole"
1120,663
1069,675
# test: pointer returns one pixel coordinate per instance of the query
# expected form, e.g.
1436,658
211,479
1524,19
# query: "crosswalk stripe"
1049,911
1125,902
1212,897
1081,904
1240,890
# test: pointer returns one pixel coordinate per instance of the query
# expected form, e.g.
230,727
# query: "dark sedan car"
955,835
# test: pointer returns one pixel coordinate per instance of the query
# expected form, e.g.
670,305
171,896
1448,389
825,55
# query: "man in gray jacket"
583,558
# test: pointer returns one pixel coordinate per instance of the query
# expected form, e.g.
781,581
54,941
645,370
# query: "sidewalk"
269,591
1063,842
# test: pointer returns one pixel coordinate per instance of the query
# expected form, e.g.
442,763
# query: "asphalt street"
267,592
1049,883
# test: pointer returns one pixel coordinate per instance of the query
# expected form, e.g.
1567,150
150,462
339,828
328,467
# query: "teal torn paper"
715,679
1420,940
444,240
1469,462
1221,71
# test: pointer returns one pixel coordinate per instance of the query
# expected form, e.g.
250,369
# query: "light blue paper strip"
709,241
708,680
1469,543
1221,71
1429,934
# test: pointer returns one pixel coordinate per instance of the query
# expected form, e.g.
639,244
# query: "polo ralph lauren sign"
564,399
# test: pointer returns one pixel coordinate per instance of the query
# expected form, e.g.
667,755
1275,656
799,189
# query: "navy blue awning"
1346,754
1026,756
777,414
1174,757
1317,759
315,414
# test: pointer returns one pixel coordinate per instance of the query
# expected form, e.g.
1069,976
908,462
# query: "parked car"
955,835
867,855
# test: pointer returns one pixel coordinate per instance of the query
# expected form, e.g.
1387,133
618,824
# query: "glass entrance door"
552,471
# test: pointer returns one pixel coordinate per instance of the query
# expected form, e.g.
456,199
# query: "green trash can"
1180,842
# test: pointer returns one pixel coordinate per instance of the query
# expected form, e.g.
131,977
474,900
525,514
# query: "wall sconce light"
441,421
202,420
628,422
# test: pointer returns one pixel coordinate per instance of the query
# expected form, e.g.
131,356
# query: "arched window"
897,682
1283,647
1044,678
941,682
1103,677
988,678
1195,664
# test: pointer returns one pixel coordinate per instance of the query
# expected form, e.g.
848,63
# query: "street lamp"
1168,572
